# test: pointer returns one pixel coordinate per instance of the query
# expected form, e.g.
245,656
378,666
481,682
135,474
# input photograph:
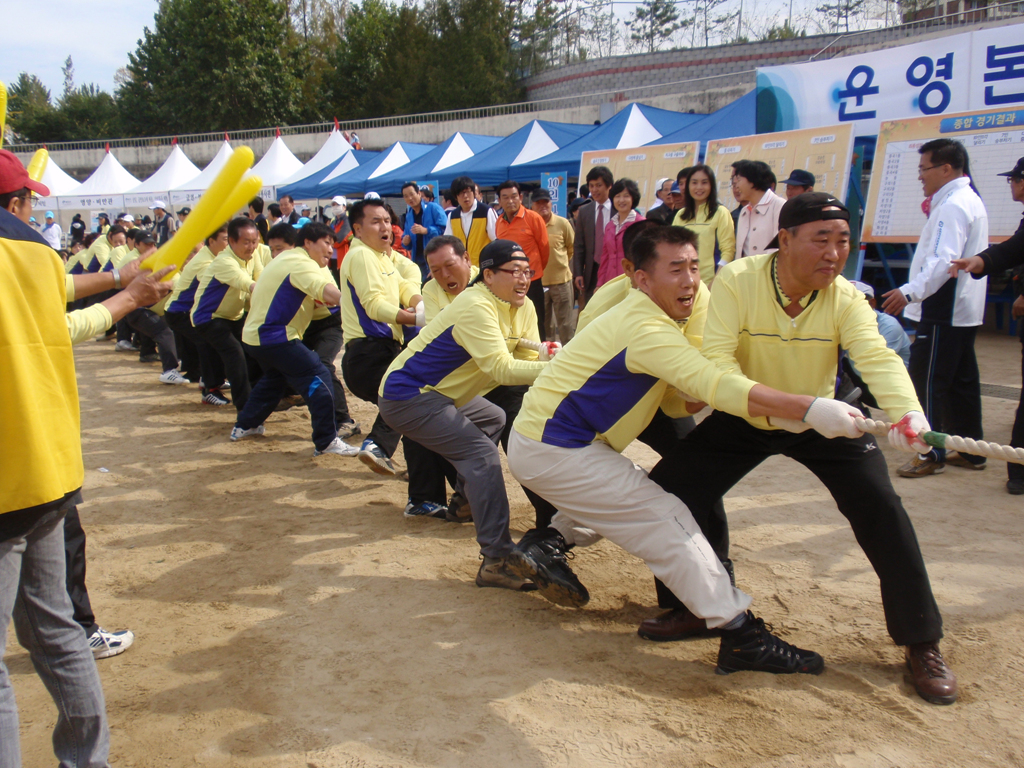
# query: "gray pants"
558,306
468,438
33,590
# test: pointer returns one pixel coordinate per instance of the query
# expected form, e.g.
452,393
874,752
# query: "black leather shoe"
677,624
1015,487
754,648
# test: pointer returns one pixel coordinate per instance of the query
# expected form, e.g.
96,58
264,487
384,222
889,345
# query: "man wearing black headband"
780,319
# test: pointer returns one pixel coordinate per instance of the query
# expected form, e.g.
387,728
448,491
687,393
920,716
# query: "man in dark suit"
589,240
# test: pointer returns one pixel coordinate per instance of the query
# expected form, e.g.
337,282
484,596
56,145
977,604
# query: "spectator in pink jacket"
625,195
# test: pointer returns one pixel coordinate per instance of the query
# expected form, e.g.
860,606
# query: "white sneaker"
106,644
173,377
339,447
237,433
124,346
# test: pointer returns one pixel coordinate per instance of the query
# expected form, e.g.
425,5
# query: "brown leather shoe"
918,467
676,624
955,459
933,680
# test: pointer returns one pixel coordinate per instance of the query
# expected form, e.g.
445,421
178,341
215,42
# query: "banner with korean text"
644,165
969,71
825,152
557,185
994,140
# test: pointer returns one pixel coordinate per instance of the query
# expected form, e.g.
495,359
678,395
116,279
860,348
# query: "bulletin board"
644,165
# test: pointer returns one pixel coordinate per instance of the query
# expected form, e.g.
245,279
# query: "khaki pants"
558,306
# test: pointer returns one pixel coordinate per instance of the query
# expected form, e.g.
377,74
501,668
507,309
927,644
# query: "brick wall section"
617,73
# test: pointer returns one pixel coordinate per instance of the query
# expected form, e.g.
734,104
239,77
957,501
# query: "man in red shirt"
526,228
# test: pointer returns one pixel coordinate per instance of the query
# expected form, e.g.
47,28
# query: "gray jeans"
34,592
558,306
468,438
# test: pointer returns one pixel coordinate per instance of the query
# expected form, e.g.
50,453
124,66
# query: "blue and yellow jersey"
113,257
74,265
373,290
436,298
321,310
747,331
608,382
223,288
184,295
97,255
41,449
282,303
467,350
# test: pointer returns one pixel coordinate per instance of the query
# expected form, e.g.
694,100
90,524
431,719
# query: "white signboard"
970,71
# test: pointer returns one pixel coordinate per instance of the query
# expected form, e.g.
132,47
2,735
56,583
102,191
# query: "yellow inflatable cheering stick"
226,194
3,113
37,167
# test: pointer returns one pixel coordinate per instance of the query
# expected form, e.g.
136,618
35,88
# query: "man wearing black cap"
431,392
798,183
780,319
993,260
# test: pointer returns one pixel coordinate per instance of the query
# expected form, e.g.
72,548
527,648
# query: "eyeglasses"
518,273
921,170
1012,179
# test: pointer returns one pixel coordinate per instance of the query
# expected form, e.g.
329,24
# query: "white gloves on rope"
548,349
421,315
904,434
830,418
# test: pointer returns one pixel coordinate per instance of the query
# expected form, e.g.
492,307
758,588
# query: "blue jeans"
291,363
34,592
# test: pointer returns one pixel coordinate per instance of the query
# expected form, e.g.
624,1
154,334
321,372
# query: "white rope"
536,346
950,442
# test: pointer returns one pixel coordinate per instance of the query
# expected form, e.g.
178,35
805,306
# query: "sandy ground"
288,615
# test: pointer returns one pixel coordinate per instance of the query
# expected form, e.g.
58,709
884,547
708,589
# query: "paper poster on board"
645,165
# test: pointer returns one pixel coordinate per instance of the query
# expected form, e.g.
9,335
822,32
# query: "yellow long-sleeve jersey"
282,303
373,290
615,290
716,238
608,382
223,288
184,295
321,310
747,331
467,350
436,298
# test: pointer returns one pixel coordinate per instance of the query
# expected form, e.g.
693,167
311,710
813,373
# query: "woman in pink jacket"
625,195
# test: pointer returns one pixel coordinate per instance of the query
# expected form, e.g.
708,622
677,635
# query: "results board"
645,165
825,152
994,139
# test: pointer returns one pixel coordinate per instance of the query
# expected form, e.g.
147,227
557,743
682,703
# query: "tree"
838,13
653,22
32,116
68,70
89,113
785,32
210,65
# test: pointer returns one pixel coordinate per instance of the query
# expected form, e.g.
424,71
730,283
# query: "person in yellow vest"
220,301
41,475
282,307
378,304
432,392
781,319
595,398
472,222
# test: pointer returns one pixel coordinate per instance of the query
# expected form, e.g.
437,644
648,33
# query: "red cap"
13,176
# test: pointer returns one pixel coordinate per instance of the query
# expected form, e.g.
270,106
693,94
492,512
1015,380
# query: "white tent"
104,189
190,191
277,165
333,150
176,170
58,182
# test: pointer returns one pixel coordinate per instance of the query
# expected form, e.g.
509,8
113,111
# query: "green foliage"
653,22
81,114
210,65
785,32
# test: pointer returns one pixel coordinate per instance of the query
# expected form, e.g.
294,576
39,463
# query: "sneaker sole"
696,633
815,669
334,453
552,589
377,466
967,465
106,653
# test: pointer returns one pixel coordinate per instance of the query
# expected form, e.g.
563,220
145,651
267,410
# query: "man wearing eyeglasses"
432,392
947,311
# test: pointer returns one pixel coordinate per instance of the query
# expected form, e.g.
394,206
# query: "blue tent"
456,149
531,142
634,126
736,119
360,180
306,187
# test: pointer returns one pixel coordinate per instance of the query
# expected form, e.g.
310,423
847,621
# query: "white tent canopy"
277,165
104,189
176,170
333,150
58,182
190,191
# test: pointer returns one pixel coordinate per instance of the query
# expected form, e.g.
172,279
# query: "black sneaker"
149,358
754,648
541,557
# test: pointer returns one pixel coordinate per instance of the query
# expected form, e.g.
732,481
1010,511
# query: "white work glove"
421,315
830,418
548,349
904,435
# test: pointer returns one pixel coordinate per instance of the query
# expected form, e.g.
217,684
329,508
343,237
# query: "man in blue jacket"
423,221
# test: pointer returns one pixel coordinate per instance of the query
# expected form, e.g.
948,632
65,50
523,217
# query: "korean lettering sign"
946,75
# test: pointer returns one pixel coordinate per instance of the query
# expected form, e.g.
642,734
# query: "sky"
98,36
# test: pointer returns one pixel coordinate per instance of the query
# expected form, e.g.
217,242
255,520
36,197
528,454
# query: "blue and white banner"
557,185
958,73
